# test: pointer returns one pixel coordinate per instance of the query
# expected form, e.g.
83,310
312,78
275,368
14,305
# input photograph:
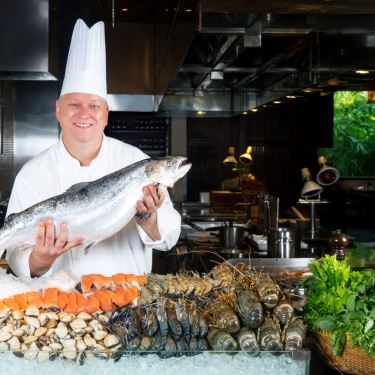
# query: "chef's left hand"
153,198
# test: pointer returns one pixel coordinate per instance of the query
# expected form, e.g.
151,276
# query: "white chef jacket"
52,172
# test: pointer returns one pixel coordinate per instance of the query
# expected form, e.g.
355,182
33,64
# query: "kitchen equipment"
259,244
234,253
268,213
232,236
281,242
204,197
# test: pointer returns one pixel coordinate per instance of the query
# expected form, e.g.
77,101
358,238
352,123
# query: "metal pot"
232,236
281,243
234,253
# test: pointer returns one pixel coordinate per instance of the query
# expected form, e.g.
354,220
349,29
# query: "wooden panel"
284,139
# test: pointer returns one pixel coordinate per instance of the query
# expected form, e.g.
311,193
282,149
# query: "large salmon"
95,210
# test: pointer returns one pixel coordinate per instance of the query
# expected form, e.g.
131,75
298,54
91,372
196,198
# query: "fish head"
166,171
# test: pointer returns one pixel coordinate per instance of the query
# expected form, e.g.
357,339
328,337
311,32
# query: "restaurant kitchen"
213,76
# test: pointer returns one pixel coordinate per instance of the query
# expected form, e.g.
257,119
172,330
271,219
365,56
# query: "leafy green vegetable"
342,301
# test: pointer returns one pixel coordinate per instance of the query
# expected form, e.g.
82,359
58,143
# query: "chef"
83,153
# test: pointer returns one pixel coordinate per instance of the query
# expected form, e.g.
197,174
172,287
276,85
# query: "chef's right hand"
48,247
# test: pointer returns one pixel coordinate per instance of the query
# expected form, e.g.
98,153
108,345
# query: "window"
353,152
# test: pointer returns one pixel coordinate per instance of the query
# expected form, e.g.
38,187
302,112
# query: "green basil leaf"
350,303
369,325
326,323
338,340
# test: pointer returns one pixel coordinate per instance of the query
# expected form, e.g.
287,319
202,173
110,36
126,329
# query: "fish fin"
89,246
9,217
76,187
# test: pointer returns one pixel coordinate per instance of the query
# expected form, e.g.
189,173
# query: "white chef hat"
85,70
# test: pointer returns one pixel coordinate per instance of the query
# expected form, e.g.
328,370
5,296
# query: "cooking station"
225,229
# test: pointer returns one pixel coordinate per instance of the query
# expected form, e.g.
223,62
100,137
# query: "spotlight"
310,188
327,175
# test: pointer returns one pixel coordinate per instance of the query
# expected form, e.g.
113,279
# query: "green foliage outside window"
353,153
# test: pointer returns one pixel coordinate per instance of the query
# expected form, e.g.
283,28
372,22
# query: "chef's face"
82,117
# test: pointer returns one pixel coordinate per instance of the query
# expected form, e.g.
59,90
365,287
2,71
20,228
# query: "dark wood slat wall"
285,139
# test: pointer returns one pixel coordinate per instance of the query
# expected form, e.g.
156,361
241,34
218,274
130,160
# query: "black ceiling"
245,53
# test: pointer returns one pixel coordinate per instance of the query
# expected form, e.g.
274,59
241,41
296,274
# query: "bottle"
338,242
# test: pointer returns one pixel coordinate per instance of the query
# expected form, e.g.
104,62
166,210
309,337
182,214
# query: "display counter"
208,363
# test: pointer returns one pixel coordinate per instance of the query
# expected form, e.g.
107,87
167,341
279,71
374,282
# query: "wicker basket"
353,360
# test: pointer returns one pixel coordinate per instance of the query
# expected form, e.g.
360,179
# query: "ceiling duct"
25,41
142,58
145,48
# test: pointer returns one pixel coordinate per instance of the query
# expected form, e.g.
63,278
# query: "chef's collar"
70,161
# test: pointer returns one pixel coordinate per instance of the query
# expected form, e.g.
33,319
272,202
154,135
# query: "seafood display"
95,292
232,308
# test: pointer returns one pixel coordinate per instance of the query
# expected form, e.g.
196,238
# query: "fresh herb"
342,301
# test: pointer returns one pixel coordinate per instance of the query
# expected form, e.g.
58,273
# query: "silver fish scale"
95,210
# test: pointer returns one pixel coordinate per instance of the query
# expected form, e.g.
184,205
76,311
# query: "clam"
43,318
103,318
19,332
95,325
18,314
55,346
61,330
7,328
99,335
5,335
40,331
65,317
29,339
84,316
100,351
50,332
17,324
52,315
44,340
32,321
14,343
32,311
51,323
81,345
69,353
111,340
89,340
43,355
32,352
29,330
4,315
68,343
78,325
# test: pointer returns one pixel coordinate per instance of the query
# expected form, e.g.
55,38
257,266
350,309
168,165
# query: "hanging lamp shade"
310,188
